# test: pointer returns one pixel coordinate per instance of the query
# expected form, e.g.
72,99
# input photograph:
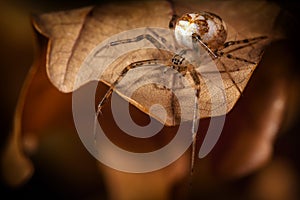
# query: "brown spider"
192,31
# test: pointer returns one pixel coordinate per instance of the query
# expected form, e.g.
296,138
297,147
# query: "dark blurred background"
17,46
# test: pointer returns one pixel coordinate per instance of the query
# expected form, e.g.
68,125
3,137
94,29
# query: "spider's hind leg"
196,80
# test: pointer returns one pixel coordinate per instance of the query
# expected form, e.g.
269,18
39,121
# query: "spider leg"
231,78
196,81
173,101
148,37
197,38
179,66
194,74
160,43
241,47
122,74
245,41
195,77
113,85
230,56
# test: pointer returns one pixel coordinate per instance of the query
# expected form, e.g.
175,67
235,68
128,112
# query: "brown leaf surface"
74,34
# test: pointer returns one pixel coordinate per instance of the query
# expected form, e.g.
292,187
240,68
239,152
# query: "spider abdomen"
208,26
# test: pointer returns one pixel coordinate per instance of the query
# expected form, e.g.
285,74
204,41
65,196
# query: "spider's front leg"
243,44
113,85
122,74
158,44
219,52
197,39
246,42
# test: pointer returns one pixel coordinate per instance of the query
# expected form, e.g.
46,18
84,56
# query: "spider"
192,31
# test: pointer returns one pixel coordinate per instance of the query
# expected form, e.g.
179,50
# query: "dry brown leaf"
74,34
32,115
42,127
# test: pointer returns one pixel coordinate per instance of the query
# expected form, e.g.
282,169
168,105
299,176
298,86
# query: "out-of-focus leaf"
44,138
